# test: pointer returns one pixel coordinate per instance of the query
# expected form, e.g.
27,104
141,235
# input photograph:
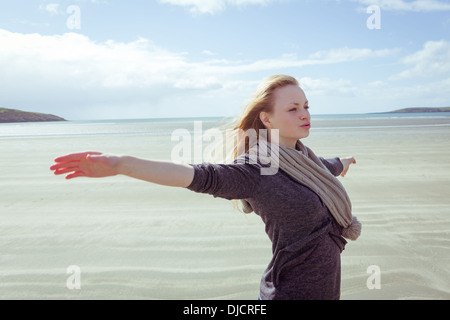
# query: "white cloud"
75,77
140,63
52,8
351,54
431,61
328,87
108,64
402,5
216,6
332,56
241,3
208,53
435,93
199,6
213,6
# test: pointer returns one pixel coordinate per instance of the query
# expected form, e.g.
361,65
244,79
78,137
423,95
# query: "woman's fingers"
61,165
75,175
66,170
76,156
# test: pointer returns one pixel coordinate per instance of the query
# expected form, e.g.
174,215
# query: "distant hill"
447,109
12,115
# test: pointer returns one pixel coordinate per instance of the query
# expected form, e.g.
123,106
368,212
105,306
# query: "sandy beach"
135,240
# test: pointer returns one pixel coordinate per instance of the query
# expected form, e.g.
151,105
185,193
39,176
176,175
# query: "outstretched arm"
98,165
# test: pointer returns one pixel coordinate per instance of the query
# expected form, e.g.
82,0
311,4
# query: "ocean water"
165,127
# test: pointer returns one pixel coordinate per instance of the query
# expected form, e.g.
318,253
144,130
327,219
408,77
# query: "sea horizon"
386,113
320,115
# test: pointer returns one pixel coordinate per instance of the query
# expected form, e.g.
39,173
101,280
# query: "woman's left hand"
347,162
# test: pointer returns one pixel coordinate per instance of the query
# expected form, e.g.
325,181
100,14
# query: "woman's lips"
306,125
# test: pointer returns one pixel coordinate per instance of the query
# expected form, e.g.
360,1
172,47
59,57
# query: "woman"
304,207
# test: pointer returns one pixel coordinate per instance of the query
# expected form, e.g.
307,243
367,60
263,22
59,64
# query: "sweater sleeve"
228,181
334,165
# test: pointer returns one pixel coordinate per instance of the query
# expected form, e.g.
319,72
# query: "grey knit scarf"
305,167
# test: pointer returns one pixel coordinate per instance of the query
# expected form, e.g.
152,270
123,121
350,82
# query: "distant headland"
411,110
13,115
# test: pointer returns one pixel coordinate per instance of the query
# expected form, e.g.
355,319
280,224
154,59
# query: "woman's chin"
304,135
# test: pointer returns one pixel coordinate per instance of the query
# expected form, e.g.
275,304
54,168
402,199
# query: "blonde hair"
261,101
235,131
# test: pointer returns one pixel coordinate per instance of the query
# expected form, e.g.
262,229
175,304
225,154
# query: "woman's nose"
304,115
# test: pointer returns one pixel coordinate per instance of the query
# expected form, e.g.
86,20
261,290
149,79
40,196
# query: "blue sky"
196,58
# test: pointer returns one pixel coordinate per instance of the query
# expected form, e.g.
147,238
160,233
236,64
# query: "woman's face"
290,115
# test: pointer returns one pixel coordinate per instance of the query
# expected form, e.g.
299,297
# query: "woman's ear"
265,119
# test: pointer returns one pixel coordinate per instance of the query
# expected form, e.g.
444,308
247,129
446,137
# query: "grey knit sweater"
306,240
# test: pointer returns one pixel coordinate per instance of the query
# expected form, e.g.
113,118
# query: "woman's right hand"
86,164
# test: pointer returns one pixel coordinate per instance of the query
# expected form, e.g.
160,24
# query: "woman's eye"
294,109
